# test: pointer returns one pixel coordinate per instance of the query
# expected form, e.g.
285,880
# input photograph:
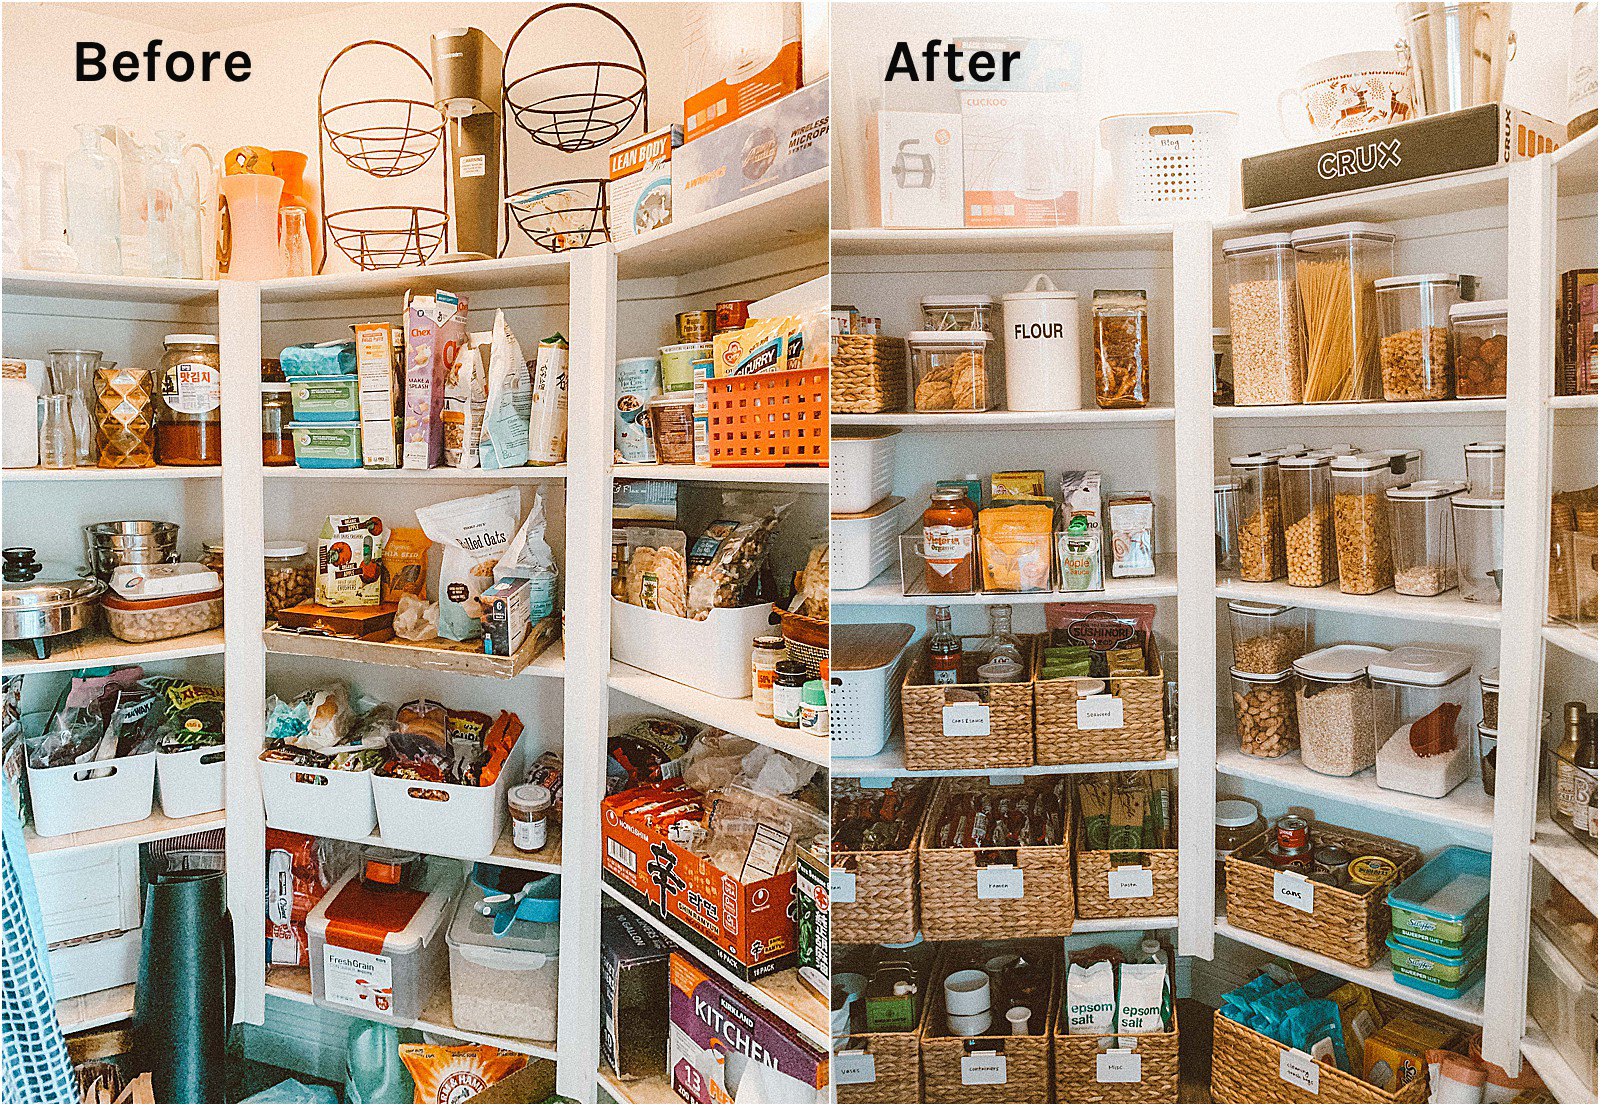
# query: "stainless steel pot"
110,545
1458,52
41,603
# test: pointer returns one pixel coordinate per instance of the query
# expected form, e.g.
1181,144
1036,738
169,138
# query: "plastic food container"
1336,710
1121,348
677,365
1414,312
1361,516
156,603
1306,487
860,469
448,819
377,954
1263,712
1561,999
1435,971
1480,546
277,412
1422,536
1486,469
1488,742
1226,493
290,573
318,801
505,983
967,312
1267,638
672,427
1221,367
862,545
1260,533
1264,316
711,653
1336,267
864,675
78,797
949,370
325,399
1489,686
529,806
1444,904
1478,341
1421,692
327,445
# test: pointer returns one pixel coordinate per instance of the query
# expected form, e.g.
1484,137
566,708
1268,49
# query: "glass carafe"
72,374
94,218
165,216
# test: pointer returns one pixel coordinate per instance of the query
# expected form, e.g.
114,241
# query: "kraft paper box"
919,169
780,142
737,58
1022,164
639,197
435,328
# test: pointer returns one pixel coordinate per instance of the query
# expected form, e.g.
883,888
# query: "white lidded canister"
1041,334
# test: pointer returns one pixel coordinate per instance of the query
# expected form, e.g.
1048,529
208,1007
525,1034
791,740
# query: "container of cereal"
503,976
1264,316
949,370
1263,712
1260,543
1335,269
962,312
1336,710
1414,313
1478,339
290,572
1226,495
1486,468
1421,692
1480,546
1267,638
1361,516
156,602
1306,487
1422,536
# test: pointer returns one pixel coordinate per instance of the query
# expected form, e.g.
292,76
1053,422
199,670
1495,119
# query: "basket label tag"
841,885
851,1068
983,1069
1299,1069
876,781
966,720
1130,882
1005,779
1000,881
1100,712
1117,1065
1294,889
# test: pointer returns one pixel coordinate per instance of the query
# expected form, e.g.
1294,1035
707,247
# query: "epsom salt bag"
1091,998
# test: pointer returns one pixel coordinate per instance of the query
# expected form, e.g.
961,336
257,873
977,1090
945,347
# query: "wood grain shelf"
90,649
438,655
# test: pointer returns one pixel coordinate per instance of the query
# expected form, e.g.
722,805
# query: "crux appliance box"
633,995
1434,146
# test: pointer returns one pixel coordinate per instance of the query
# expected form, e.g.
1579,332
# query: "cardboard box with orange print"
737,58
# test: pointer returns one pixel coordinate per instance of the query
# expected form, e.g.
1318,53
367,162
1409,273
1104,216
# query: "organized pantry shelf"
1574,866
157,827
441,475
1578,642
441,654
887,590
1446,608
890,764
979,421
114,289
70,476
1438,411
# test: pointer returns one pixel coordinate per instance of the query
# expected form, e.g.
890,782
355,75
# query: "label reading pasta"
1130,882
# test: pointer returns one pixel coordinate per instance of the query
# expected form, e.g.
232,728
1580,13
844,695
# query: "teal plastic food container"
326,445
1445,903
325,399
1435,971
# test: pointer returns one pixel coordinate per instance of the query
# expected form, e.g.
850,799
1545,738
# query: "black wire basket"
388,236
563,214
577,105
384,138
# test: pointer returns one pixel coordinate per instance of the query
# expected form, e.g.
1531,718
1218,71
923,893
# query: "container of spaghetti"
1336,267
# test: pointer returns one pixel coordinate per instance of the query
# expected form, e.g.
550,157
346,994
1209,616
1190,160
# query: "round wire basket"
577,105
564,214
388,236
384,138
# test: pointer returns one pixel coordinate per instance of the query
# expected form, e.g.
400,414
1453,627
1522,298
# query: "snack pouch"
505,419
456,1073
405,564
528,557
349,561
475,533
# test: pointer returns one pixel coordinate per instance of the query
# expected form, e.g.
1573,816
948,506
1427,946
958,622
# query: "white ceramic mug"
1041,332
1349,94
969,1025
966,993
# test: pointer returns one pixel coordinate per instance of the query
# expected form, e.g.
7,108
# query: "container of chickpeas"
949,369
290,572
1263,713
1361,532
1306,495
1260,534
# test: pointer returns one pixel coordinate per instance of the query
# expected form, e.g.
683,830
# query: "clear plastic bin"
1423,744
1361,515
392,985
1267,638
1415,316
1263,713
1478,341
1486,468
1264,316
142,620
1306,488
1336,267
1561,999
949,370
1336,709
1260,532
1489,686
1480,547
505,984
1422,536
1488,742
962,312
1226,494
1221,367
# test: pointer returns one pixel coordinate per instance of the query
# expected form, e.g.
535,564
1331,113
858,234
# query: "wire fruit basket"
577,105
387,236
384,138
563,215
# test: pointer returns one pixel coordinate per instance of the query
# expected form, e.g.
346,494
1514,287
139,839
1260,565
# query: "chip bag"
446,1073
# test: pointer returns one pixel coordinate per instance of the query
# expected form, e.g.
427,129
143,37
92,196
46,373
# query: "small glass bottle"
788,684
944,649
294,241
1001,642
57,443
765,653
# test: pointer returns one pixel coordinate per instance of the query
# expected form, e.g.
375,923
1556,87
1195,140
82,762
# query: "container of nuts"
949,370
1422,536
1260,520
1478,339
1336,710
1414,319
291,575
1263,712
1361,516
1306,495
1267,638
155,602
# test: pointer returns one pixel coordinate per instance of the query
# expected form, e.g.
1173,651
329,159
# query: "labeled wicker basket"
1027,1058
928,747
1094,869
1349,925
1573,579
869,374
1077,1067
884,910
1060,739
948,879
896,1068
1244,1069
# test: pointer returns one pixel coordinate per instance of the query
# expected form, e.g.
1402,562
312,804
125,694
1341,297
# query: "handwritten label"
851,1068
983,1069
1100,712
1130,882
1000,881
1294,889
841,885
966,720
1299,1069
1117,1065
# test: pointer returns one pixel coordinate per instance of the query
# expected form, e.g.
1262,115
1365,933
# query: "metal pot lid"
32,586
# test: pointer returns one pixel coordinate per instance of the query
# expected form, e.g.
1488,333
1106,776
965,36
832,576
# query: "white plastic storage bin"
861,468
507,984
1561,998
864,674
711,654
391,985
192,782
1167,167
80,967
862,545
445,819
318,801
87,892
78,797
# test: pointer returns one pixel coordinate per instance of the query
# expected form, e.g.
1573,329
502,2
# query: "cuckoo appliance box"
639,197
633,994
737,58
1021,164
781,142
1434,146
919,169
721,1048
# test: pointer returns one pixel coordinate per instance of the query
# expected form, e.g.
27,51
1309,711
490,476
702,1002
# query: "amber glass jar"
277,412
189,410
948,529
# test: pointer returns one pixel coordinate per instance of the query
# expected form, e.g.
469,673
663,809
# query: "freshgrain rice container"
377,954
505,983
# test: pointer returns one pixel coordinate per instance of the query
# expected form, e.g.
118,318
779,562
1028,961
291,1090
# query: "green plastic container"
325,399
1445,904
1435,971
326,445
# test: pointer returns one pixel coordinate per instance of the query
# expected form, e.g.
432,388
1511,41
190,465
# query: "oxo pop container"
1478,341
950,370
377,954
505,982
1225,494
1336,267
1422,536
1421,692
1306,486
1486,469
1361,515
1267,637
960,312
1263,712
1480,546
1337,709
1260,533
1414,313
1264,315
1444,904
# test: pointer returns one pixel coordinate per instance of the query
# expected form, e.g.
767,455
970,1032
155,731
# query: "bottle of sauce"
949,529
1584,781
944,649
1566,761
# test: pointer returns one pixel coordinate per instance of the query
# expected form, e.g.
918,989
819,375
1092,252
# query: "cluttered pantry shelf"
969,421
96,650
886,591
1449,607
723,474
1568,861
879,242
157,827
644,1089
736,716
1563,1083
890,763
116,289
505,853
534,658
472,475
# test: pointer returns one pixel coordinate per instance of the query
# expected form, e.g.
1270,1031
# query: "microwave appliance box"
778,143
639,195
633,994
919,177
1022,165
737,59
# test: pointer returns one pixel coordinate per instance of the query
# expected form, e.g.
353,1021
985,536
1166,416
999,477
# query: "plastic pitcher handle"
1042,282
1283,120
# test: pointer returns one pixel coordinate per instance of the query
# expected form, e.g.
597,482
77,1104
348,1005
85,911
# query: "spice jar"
961,312
1421,533
189,412
1335,268
1267,637
1486,469
1414,312
1121,348
290,573
124,418
1480,546
949,370
1221,367
1361,516
949,548
788,684
277,412
1335,709
1306,487
530,805
1421,691
1261,547
1478,340
1263,712
1264,317
1238,821
765,653
211,556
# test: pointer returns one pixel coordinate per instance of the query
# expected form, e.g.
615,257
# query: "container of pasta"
1336,267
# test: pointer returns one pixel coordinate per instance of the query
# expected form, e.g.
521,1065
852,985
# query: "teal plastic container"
1435,971
1445,903
325,399
326,445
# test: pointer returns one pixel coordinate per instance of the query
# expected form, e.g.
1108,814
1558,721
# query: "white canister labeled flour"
1041,333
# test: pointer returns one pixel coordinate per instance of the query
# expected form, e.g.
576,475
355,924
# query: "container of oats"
1414,315
1267,637
1306,494
1361,515
1335,269
1336,709
1422,536
1260,534
949,369
1264,316
1263,713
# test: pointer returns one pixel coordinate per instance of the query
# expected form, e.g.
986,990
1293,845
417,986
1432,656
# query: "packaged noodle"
733,550
505,421
547,420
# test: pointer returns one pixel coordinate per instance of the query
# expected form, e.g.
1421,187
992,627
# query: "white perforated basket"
861,469
1168,167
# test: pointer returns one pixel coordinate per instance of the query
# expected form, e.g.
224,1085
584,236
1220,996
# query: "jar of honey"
189,407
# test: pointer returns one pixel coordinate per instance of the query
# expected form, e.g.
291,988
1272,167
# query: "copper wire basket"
386,137
562,215
387,236
577,105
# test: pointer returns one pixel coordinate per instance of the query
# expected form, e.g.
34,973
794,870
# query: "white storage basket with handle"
711,654
1171,166
862,545
446,819
93,795
864,674
193,781
318,801
861,468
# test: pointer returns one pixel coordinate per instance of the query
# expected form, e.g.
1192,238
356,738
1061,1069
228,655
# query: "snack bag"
528,557
466,397
455,1073
505,420
475,533
405,564
655,575
349,561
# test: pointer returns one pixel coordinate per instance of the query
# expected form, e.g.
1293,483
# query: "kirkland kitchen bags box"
1023,166
639,197
919,169
1434,146
737,58
779,143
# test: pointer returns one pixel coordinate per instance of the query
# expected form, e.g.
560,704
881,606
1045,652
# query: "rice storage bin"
1336,709
1444,904
1173,166
861,469
377,952
1421,691
1480,546
864,674
1043,372
1486,468
1422,536
503,970
949,370
862,544
1267,637
1264,315
1336,268
1306,486
1260,533
1263,713
156,602
1361,516
1478,341
1414,314
1561,1000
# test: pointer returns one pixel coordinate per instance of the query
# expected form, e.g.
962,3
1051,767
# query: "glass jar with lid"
961,312
1486,468
1480,546
1336,710
1264,317
290,574
211,555
1421,533
189,410
277,412
1414,314
1121,348
1260,543
1478,333
1336,267
1361,515
1423,745
1306,487
1238,822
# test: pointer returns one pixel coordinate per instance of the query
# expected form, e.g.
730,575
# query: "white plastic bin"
864,676
445,819
862,545
193,781
504,985
389,986
78,797
87,891
318,801
1561,998
81,967
860,469
1167,167
711,654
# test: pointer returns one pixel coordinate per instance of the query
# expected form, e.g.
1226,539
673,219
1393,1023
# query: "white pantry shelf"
706,474
505,854
1449,607
123,289
1580,643
1564,1084
91,475
95,1009
92,649
540,270
1574,403
885,592
1568,861
879,242
980,421
654,1089
736,716
523,474
1124,925
749,227
157,827
890,763
1432,411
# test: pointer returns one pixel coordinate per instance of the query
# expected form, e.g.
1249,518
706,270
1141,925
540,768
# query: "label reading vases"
192,388
359,979
851,1068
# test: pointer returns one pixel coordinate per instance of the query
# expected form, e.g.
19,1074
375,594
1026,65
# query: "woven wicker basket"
884,911
1009,743
1094,899
948,879
1244,1069
1348,925
1028,1059
869,374
897,1068
1058,740
1075,1067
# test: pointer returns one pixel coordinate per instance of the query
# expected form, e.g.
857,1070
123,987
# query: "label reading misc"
1130,882
1299,1069
1294,889
983,1069
1000,881
1117,1065
966,720
851,1068
841,885
1100,712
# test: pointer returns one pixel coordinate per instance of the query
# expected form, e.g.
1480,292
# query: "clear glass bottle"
277,412
295,241
94,213
164,207
190,409
1000,641
944,649
57,444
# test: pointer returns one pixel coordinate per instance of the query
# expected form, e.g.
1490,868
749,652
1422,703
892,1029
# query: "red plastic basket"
776,418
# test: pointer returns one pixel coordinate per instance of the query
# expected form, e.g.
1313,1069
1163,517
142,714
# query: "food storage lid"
949,337
1488,731
1490,680
32,586
276,389
1339,663
1041,287
1310,236
1420,278
189,340
113,602
1221,332
958,301
673,399
1396,460
530,798
276,550
1263,610
1421,666
865,647
1253,460
1480,309
1486,449
1226,486
1314,460
1479,503
887,504
1284,450
1427,489
1236,813
177,581
524,938
1262,677
391,922
1255,242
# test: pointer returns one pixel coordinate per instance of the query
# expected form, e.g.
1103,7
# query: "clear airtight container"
1486,468
1263,712
1422,536
1267,637
949,370
1336,709
1361,515
1489,686
966,312
1260,544
1264,316
1414,312
1423,742
1480,547
1478,340
1306,489
1335,269
1226,495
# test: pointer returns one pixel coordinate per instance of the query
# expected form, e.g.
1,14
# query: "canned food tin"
1372,871
1331,858
1294,833
694,326
732,314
